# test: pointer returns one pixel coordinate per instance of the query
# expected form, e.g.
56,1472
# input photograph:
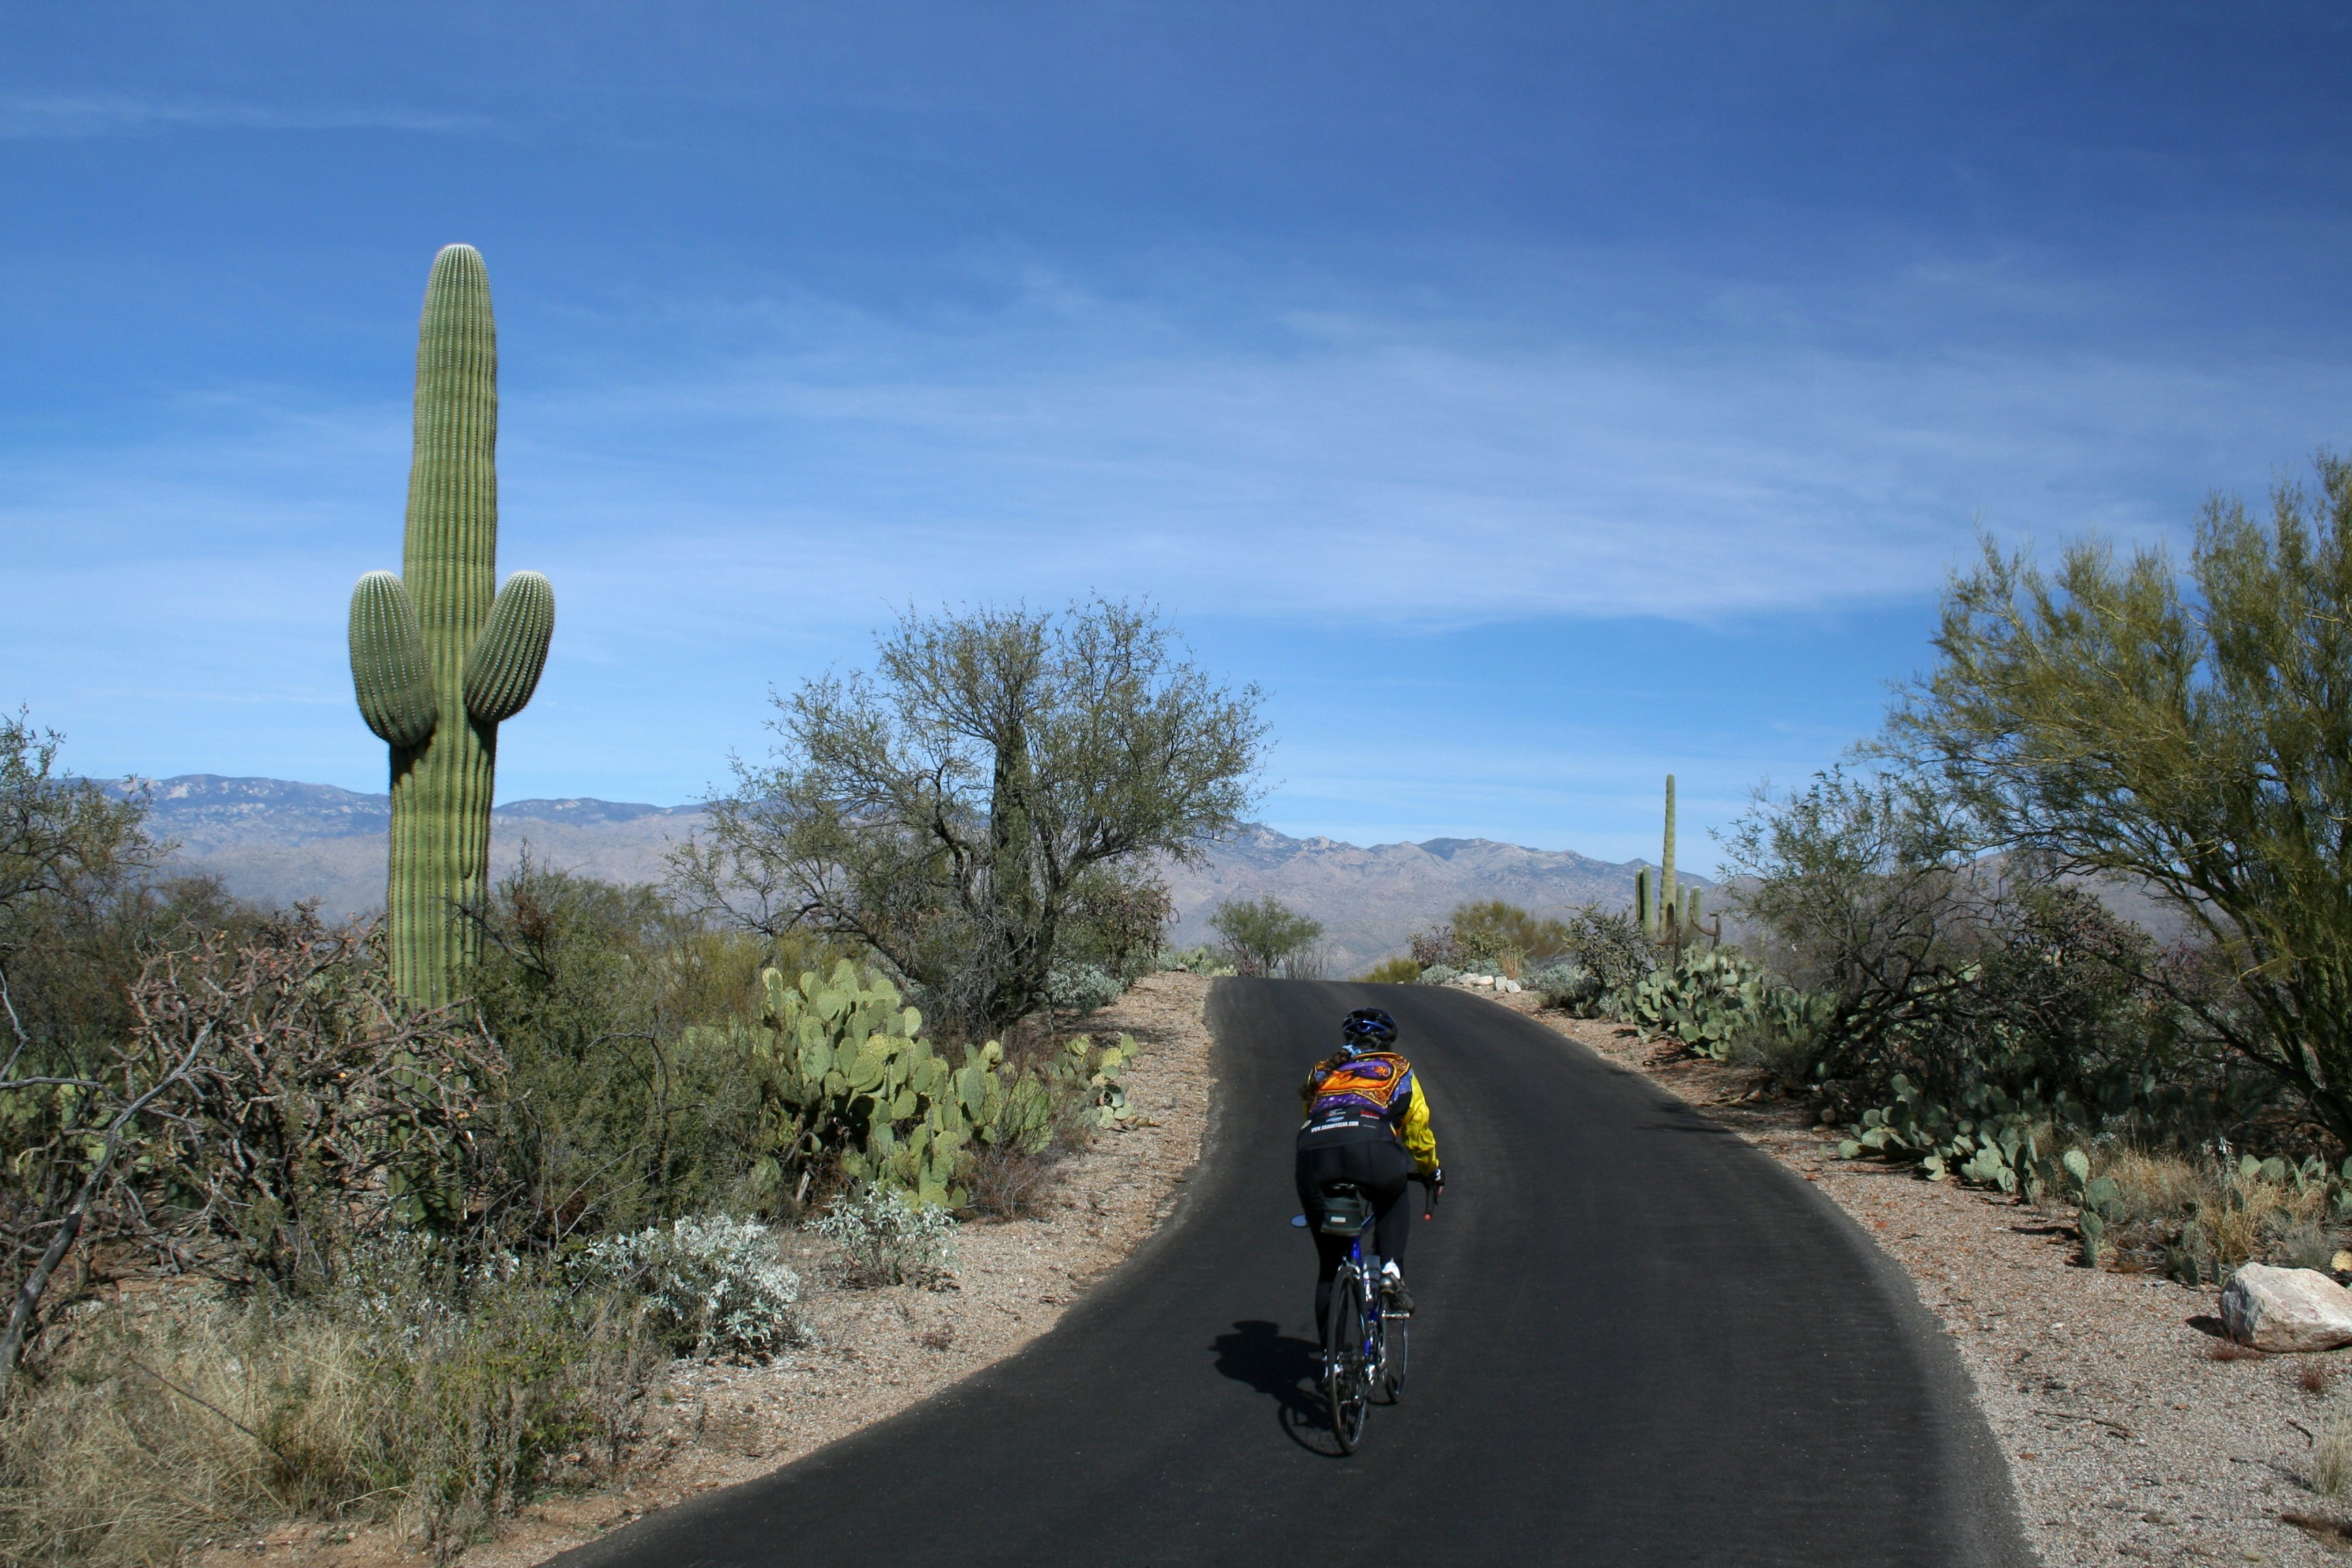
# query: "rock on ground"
2286,1309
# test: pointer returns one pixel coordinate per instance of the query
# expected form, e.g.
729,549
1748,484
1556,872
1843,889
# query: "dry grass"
2155,1185
166,1425
2331,1458
1009,1184
2219,1211
161,1424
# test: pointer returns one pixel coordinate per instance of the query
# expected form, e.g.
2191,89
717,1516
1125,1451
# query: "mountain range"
276,842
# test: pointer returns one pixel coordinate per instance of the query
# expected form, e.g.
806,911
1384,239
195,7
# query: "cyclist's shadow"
1259,1353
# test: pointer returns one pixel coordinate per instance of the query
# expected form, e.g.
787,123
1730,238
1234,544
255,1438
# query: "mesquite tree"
949,809
2191,739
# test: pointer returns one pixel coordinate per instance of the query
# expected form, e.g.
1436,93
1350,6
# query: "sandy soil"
2133,1432
872,1352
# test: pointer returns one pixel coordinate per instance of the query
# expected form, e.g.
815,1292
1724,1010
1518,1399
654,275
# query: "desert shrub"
1613,947
1567,986
1116,923
1392,972
2331,1458
272,1100
1980,1016
1439,974
414,1392
889,1238
1003,1182
1507,936
1200,960
1081,988
712,1286
620,1113
1266,936
1431,948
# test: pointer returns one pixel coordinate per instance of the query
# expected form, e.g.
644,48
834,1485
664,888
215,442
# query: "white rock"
2287,1309
1507,984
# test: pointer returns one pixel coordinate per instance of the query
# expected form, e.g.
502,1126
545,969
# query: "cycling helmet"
1368,1029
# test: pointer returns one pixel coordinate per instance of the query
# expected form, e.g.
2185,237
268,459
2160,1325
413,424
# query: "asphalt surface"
1638,1342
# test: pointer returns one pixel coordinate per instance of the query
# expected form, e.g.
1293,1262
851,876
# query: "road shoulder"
2126,1439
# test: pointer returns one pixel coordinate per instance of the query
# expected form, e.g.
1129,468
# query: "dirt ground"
871,1353
2135,1433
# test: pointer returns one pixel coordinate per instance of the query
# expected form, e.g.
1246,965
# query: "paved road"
1639,1343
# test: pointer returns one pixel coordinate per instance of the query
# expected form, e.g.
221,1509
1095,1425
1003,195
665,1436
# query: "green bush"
1266,936
1503,935
623,1110
1392,972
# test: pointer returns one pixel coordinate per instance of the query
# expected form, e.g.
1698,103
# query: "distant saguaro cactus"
1661,913
437,661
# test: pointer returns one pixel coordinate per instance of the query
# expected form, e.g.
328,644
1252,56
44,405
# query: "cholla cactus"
437,662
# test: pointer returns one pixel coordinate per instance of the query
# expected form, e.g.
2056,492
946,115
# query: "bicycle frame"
1350,1371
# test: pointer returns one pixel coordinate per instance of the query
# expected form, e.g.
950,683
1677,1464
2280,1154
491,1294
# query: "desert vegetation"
1264,936
982,809
2076,924
280,1239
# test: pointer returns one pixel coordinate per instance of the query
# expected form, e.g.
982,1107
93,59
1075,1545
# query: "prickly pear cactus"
846,1077
438,661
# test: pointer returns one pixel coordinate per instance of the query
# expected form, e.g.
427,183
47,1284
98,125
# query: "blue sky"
1534,398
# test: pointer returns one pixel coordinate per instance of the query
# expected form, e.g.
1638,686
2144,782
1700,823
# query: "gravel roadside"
872,1352
2127,1440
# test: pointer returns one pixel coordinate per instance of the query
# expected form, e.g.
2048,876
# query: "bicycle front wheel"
1347,1373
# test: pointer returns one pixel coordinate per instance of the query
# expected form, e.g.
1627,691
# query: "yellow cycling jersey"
1372,1087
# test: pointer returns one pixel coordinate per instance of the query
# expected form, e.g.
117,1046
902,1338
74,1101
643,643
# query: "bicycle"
1364,1341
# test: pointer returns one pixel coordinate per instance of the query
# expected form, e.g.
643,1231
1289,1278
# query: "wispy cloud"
738,508
33,116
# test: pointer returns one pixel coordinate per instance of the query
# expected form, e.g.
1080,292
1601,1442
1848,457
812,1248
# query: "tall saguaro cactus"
1654,905
438,661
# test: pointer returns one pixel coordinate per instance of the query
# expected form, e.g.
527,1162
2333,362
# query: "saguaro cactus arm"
503,668
389,670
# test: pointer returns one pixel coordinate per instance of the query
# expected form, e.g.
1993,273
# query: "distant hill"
1370,901
277,842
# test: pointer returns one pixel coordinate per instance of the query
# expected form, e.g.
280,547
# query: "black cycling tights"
1380,1169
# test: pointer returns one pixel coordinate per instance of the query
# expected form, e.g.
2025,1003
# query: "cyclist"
1367,1124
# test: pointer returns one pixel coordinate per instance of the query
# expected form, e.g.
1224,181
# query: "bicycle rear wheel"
1346,1375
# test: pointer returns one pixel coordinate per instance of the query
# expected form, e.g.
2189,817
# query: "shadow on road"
1282,1368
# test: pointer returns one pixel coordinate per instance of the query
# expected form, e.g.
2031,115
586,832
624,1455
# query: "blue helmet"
1367,1029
